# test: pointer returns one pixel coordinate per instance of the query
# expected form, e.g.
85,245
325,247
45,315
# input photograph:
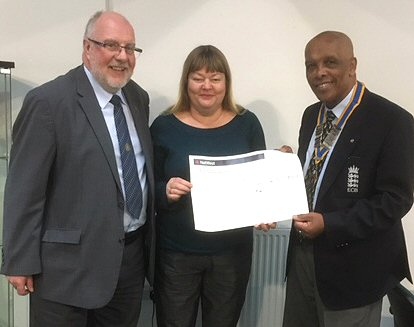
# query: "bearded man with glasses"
78,216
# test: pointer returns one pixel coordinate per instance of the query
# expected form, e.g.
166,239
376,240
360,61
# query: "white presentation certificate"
245,190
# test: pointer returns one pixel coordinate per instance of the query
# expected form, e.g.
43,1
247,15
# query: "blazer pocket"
62,236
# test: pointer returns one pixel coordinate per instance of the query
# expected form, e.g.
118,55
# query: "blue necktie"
132,186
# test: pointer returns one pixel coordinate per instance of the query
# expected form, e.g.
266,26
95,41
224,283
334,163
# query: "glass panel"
3,173
5,119
4,107
5,300
6,295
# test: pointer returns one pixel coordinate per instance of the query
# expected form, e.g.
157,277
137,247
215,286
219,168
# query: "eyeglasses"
113,46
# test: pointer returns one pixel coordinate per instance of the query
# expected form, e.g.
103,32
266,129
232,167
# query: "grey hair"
91,23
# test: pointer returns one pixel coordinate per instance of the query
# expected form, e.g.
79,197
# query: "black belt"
134,235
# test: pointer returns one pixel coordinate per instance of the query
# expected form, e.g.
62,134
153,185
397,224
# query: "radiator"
266,290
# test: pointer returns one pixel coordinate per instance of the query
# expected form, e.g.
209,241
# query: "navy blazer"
63,206
366,190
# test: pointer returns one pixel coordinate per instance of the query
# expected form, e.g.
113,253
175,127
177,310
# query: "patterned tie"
132,186
315,166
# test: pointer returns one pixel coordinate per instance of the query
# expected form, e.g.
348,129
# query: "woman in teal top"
194,265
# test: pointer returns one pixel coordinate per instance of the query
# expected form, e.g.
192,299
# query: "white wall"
262,39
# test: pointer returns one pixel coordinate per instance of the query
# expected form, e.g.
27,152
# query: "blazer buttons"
342,245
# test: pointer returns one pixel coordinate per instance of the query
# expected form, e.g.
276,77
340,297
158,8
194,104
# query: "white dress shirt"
103,97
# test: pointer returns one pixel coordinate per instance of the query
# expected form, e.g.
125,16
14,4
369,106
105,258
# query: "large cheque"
244,190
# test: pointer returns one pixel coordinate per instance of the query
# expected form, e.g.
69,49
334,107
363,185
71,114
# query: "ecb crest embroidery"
353,179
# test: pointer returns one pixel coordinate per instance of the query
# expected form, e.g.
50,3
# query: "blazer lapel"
140,116
92,110
344,147
309,122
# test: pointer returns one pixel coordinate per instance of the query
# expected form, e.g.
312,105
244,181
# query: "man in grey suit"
71,241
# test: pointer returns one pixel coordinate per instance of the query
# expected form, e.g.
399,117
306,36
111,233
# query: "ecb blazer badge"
353,179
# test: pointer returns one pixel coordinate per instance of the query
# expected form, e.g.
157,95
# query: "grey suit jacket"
63,205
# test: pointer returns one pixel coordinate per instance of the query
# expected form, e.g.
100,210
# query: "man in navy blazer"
349,250
69,240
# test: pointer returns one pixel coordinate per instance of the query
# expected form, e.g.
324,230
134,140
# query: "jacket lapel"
309,122
347,141
344,147
140,117
92,110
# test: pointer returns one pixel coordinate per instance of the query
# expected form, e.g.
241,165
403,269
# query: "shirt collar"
102,95
341,106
